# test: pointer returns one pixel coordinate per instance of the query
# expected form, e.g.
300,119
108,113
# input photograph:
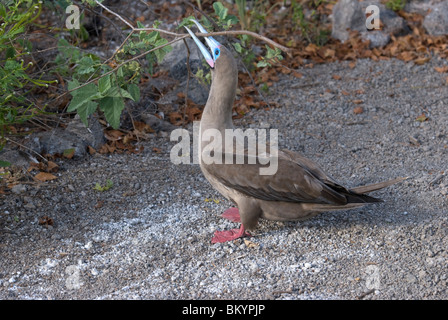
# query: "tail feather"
376,186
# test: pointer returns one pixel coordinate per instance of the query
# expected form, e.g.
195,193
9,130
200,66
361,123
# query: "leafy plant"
98,187
109,94
271,56
225,20
15,78
309,27
396,5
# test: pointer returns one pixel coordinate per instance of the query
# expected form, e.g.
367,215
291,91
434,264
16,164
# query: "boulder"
350,15
436,21
76,136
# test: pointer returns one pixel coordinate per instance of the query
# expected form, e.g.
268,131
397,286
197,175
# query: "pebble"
18,189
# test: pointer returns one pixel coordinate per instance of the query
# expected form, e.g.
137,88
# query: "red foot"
232,214
229,235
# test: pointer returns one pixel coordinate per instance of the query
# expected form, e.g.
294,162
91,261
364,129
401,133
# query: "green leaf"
220,10
86,110
104,84
238,47
4,163
161,53
134,91
85,65
263,63
112,108
2,11
81,95
186,22
116,92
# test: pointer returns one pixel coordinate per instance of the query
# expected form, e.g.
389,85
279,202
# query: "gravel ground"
148,237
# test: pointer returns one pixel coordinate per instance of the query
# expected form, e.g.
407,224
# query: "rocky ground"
148,236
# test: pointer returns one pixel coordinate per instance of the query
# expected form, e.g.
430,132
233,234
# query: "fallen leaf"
45,220
91,150
250,244
421,118
113,135
45,176
52,167
420,61
336,77
357,101
358,110
441,69
69,153
157,150
345,93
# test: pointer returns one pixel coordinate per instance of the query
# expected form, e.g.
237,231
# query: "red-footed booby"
298,189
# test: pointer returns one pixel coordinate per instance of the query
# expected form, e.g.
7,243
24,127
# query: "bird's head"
218,55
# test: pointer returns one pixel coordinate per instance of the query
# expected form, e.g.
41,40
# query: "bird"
298,190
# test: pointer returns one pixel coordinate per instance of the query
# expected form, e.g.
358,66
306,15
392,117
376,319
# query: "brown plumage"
298,190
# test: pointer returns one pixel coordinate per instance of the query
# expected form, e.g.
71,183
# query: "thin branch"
188,82
25,147
178,37
115,14
202,12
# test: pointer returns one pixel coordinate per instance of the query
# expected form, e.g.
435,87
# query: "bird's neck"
217,113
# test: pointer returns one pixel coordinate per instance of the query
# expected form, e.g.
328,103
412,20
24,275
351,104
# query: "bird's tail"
358,194
376,186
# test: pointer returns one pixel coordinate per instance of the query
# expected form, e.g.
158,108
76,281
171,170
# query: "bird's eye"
217,52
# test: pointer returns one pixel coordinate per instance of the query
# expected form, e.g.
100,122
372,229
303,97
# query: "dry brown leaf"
45,176
345,93
250,244
358,110
113,135
357,101
420,61
46,220
441,69
336,77
52,167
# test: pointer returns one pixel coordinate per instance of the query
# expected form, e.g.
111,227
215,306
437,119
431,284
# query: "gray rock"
347,14
18,189
422,7
176,60
176,63
377,38
76,136
15,157
91,135
350,15
436,22
157,124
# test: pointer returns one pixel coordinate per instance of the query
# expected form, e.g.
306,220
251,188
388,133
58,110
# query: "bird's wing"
297,180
